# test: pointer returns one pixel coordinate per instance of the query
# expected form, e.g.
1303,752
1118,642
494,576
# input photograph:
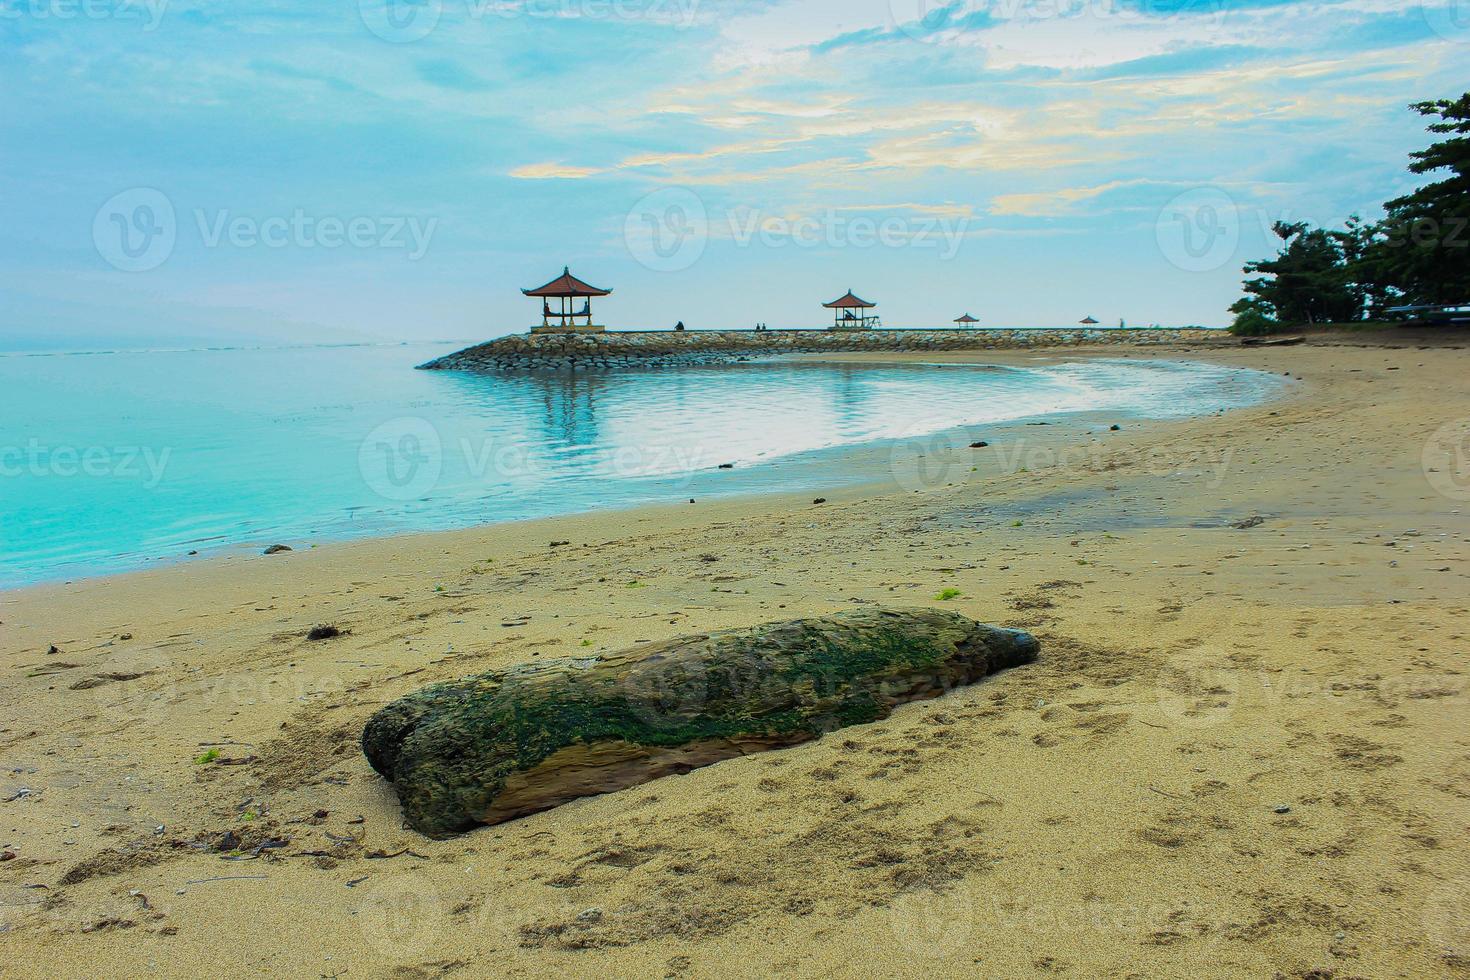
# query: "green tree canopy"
1423,245
1418,255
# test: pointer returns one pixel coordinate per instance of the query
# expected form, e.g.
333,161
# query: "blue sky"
214,171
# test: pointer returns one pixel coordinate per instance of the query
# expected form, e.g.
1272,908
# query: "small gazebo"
966,321
566,289
851,313
1088,322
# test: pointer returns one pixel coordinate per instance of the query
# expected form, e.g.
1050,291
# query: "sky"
212,172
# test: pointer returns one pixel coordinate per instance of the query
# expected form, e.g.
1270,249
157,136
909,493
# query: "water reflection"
285,443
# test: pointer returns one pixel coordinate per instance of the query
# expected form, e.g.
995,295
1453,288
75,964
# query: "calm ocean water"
109,461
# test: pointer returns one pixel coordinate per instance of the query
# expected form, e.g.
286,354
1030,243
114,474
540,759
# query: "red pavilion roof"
849,302
566,285
967,318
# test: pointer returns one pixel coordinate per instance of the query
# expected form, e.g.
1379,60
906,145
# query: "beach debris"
501,745
727,466
276,549
560,544
1283,808
53,650
1115,428
820,500
979,445
1271,341
323,633
1249,523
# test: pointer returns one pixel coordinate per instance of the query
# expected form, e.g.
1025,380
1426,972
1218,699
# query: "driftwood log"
501,745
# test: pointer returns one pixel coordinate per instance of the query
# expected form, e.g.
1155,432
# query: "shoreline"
867,465
600,349
1116,807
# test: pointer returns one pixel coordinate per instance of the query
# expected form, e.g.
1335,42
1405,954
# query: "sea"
117,460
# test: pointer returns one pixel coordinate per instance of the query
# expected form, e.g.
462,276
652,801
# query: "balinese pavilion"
564,316
966,321
851,313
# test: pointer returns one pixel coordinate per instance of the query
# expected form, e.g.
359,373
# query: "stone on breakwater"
664,348
501,745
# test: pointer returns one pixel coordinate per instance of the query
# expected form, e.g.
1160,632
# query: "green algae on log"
502,745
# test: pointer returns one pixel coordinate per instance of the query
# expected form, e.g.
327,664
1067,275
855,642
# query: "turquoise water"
110,461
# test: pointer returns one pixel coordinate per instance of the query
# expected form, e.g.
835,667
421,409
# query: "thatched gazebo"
566,318
851,313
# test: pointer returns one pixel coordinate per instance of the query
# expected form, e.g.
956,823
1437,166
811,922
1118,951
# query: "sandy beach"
1244,751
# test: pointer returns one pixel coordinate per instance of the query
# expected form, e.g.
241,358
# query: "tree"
1422,247
1308,282
1418,255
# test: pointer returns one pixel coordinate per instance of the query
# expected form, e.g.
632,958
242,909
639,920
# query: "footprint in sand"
130,688
1193,692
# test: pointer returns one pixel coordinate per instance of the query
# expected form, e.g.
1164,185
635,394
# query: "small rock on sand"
276,549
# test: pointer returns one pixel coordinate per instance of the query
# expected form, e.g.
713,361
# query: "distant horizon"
175,345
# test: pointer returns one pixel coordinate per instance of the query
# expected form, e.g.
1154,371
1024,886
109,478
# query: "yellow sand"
1108,812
